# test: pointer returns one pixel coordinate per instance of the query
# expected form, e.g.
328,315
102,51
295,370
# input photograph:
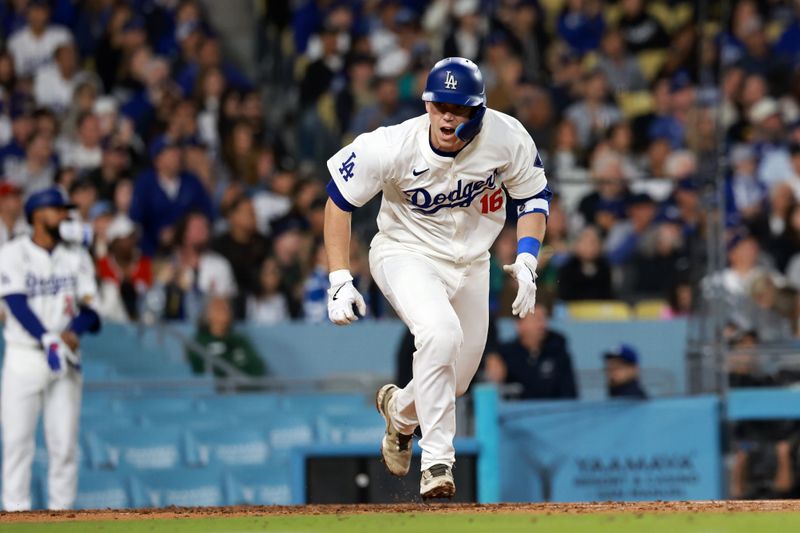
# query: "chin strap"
470,129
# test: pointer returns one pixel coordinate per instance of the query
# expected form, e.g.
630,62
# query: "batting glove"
58,353
524,271
342,297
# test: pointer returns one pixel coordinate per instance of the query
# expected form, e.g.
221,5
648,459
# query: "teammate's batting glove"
58,354
524,271
343,297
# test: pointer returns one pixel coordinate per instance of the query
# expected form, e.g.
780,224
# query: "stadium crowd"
197,185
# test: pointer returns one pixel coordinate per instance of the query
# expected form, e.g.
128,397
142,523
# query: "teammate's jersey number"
491,202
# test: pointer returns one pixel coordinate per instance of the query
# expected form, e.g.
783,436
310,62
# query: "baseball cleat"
437,482
395,446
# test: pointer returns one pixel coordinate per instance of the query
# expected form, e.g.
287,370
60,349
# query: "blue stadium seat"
139,448
183,487
287,432
244,404
357,428
148,405
96,490
234,446
190,421
324,403
264,485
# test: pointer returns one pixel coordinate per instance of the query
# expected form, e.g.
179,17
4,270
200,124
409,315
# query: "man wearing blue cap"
164,195
48,287
622,373
444,176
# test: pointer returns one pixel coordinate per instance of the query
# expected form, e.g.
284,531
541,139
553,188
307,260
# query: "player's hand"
342,297
72,340
57,353
524,271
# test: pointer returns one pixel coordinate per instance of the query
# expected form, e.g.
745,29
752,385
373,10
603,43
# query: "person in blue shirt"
165,194
622,373
538,360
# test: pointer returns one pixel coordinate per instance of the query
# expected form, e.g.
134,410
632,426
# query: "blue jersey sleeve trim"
545,194
87,320
542,211
335,194
18,305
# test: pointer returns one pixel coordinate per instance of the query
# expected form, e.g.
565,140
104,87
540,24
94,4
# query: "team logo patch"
346,170
463,195
450,81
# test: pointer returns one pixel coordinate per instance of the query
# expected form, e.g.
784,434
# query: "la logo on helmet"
450,81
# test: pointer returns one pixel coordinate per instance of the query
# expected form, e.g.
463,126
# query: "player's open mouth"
447,131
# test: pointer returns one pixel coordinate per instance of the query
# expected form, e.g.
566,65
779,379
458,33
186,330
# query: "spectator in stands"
538,360
115,165
746,195
386,110
633,234
640,29
267,304
12,222
243,246
33,45
769,310
593,114
125,275
581,25
315,288
762,449
680,300
86,153
622,373
586,275
192,273
734,283
55,83
225,352
659,263
610,188
83,194
620,68
12,154
38,169
164,195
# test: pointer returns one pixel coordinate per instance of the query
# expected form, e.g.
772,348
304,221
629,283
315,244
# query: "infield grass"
436,523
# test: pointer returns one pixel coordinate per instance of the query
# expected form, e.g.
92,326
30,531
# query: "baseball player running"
443,176
48,287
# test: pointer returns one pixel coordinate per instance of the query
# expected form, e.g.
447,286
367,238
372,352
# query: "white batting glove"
58,353
342,296
524,271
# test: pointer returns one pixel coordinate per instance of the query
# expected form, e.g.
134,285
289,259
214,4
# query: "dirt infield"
769,506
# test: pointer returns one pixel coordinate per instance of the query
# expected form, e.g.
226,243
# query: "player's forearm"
337,237
532,225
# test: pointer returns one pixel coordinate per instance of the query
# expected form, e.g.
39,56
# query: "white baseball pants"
25,393
446,307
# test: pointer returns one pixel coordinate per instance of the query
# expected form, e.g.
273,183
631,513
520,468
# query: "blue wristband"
529,245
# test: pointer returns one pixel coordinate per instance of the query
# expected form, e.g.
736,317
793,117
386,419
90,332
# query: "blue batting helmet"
455,80
51,197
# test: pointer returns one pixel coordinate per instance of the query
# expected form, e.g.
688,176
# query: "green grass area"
437,523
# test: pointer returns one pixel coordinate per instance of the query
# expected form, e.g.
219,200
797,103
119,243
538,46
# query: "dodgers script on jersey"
452,208
55,284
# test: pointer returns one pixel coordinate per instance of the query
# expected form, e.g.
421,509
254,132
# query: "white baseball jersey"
55,283
450,208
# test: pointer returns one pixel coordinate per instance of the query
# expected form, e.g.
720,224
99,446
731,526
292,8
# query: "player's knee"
442,341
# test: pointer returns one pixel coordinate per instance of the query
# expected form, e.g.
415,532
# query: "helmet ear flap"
465,132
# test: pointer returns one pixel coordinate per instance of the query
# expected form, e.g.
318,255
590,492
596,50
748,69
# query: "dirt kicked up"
651,517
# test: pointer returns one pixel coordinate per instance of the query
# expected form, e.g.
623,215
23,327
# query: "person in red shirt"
125,274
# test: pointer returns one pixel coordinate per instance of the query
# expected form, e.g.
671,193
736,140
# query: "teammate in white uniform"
443,177
48,287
